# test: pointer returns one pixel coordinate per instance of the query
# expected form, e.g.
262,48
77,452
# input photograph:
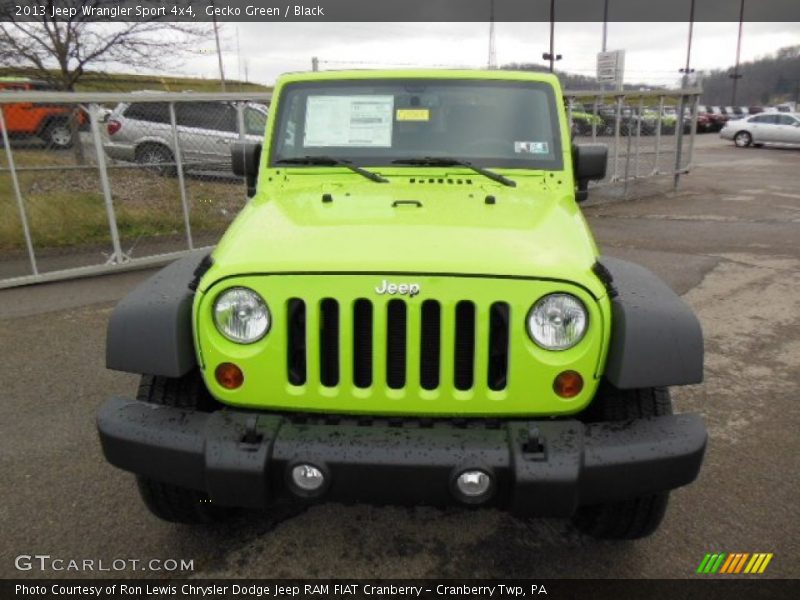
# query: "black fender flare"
656,339
150,330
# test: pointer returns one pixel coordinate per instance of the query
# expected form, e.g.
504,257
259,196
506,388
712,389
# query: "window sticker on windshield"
531,148
413,114
361,121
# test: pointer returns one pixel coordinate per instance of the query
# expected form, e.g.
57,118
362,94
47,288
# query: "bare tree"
60,50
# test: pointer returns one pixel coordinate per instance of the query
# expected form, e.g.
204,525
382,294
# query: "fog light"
229,376
568,384
308,478
474,485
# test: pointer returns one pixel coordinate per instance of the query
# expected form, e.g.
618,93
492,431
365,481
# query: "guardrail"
86,191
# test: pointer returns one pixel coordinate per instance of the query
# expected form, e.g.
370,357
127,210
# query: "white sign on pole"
611,68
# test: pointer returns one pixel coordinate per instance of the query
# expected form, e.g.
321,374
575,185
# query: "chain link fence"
126,179
650,137
97,182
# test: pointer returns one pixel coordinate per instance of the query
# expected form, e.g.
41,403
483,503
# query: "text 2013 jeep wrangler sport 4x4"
409,310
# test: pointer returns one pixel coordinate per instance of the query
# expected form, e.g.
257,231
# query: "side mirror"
245,158
589,162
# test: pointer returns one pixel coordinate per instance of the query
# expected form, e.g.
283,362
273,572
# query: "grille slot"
328,347
430,344
396,344
329,342
362,343
464,357
499,319
296,341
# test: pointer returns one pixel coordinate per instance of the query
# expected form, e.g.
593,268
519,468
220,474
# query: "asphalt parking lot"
727,241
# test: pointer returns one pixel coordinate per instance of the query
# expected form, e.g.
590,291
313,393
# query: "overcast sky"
654,51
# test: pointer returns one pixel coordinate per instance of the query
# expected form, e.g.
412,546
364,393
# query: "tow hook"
532,444
251,439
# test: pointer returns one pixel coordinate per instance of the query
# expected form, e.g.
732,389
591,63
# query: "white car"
764,128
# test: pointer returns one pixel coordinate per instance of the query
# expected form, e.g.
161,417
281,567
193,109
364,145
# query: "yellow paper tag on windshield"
413,114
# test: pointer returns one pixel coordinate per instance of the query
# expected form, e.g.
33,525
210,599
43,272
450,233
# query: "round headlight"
241,315
557,321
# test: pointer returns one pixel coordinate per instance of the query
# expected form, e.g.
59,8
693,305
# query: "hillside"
98,81
570,81
769,80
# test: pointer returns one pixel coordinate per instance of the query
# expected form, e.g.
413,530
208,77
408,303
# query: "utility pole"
604,47
219,53
491,63
682,105
552,56
687,70
238,60
736,76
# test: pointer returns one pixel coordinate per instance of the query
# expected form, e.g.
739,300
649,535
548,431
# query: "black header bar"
396,10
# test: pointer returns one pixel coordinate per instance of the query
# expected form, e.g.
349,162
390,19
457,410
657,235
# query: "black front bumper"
545,468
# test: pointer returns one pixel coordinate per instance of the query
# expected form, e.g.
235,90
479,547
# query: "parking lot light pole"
736,76
687,70
219,53
552,56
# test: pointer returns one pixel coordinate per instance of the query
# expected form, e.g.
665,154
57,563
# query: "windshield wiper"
442,161
330,161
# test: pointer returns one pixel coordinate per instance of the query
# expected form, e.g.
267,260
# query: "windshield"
378,122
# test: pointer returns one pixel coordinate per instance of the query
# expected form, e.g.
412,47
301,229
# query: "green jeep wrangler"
409,310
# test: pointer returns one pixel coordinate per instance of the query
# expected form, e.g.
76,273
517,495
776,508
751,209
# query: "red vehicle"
52,123
710,119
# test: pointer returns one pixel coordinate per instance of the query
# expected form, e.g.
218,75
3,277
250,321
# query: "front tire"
167,501
742,139
636,517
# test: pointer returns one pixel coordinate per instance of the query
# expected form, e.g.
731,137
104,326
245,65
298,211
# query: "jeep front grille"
426,342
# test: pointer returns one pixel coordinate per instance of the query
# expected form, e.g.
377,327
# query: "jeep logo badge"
411,289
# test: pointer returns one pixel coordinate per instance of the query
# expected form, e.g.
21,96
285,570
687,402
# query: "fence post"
658,134
181,181
617,122
639,136
241,130
695,108
23,216
626,178
118,256
570,100
679,140
240,121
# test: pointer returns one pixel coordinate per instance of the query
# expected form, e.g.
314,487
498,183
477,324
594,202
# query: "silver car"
763,128
141,132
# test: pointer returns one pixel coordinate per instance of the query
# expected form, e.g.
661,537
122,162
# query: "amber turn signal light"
229,376
568,384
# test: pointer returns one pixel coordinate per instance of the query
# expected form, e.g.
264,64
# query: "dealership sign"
611,67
